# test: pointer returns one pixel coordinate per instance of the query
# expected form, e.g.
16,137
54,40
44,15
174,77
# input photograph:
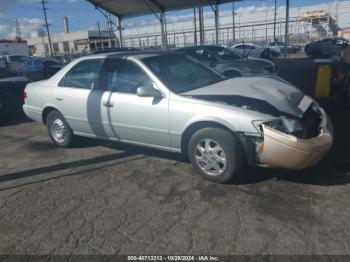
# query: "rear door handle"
108,104
59,98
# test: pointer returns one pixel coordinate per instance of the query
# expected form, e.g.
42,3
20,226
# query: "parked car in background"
40,68
265,63
11,93
252,50
278,47
12,62
169,101
224,60
327,47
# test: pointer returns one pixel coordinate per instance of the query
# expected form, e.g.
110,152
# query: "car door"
141,120
79,97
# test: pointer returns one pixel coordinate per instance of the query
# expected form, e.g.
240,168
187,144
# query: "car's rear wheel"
59,130
215,154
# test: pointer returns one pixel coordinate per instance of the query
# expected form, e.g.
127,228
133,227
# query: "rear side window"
85,75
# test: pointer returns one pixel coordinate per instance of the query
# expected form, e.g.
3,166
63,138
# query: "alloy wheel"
210,157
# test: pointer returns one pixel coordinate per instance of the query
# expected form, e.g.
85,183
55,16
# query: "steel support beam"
233,23
120,29
274,22
201,25
163,29
216,16
286,37
161,18
195,26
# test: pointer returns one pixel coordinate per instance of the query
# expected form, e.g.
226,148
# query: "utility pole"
233,23
99,33
18,30
274,22
43,2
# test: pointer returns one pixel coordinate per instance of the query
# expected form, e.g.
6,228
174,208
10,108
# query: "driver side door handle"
108,104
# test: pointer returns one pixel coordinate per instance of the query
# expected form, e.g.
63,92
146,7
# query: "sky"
83,16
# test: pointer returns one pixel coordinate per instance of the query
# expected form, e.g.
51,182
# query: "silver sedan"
171,102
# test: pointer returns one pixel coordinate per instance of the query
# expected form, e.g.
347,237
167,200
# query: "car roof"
199,46
125,54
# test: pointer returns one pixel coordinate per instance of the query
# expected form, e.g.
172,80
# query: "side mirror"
148,91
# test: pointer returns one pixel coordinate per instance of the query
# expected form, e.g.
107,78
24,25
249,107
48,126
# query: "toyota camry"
172,102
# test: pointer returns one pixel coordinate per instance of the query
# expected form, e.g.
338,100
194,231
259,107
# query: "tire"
219,144
63,135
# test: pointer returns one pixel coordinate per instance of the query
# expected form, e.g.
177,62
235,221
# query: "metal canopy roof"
132,8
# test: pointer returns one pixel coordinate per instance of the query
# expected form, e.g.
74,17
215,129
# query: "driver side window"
124,76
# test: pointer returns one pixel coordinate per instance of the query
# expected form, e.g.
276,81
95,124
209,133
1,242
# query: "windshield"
224,53
180,73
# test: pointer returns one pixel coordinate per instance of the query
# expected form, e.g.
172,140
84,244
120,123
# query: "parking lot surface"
108,198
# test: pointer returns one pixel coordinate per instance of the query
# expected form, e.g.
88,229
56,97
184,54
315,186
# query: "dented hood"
273,90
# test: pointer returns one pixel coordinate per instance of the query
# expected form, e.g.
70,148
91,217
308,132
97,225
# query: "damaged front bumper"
290,152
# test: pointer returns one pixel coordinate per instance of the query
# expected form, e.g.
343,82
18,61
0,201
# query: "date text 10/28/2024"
173,258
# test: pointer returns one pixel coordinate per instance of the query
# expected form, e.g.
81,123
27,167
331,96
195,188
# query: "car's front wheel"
59,130
215,154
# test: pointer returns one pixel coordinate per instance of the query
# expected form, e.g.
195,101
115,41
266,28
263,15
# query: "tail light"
24,95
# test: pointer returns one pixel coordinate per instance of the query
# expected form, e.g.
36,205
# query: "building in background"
13,47
252,24
70,43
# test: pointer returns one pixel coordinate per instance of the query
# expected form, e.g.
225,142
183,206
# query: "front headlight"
284,125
